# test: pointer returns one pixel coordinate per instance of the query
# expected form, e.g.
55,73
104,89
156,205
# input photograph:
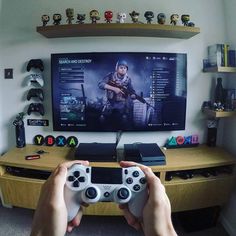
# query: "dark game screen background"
160,79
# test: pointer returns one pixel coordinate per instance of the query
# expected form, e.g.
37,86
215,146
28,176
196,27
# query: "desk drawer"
189,195
19,191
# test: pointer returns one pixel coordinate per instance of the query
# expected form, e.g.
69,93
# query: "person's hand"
50,218
156,218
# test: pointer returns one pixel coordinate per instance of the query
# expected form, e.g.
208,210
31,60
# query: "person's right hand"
156,218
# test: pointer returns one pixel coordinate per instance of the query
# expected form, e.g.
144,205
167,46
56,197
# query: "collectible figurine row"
94,17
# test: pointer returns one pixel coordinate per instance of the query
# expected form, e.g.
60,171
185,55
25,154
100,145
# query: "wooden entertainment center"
196,192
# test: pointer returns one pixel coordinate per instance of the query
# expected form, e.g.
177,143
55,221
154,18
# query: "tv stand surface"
185,194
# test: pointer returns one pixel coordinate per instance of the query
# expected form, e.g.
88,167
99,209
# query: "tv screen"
127,91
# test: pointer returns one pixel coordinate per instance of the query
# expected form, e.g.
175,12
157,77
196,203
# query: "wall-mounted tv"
119,91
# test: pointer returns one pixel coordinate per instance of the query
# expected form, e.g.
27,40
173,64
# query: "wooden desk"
193,193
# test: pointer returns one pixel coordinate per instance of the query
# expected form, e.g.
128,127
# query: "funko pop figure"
185,19
161,18
134,16
69,15
108,16
121,16
80,18
94,16
45,19
174,19
149,15
57,19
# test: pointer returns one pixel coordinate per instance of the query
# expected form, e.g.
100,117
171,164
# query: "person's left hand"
50,218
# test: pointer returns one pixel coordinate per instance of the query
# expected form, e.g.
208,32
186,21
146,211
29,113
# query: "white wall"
20,42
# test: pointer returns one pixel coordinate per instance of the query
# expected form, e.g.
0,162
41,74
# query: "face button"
106,194
126,171
91,193
136,187
87,170
71,178
135,173
142,180
129,180
76,173
123,193
76,184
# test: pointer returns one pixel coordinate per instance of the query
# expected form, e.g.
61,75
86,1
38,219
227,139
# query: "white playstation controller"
87,184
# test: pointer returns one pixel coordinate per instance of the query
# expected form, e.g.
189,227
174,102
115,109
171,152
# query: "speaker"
20,136
211,137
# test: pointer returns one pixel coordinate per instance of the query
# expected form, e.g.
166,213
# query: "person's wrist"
160,231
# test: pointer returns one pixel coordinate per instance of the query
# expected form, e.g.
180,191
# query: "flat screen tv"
119,91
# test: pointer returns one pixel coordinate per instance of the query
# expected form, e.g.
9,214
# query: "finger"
131,219
70,163
128,164
76,221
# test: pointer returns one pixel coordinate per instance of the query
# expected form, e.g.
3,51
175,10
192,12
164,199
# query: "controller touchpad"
106,175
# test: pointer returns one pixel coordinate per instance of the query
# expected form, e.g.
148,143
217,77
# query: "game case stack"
218,55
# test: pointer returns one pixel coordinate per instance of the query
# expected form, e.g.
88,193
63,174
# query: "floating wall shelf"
222,69
219,114
116,29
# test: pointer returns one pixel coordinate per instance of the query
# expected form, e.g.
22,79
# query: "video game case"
218,55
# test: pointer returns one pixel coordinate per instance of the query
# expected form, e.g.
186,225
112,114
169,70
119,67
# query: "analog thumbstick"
123,193
91,193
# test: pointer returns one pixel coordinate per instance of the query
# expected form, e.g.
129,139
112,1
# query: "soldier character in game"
120,93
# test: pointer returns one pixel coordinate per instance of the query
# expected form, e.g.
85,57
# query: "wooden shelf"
183,194
219,114
115,29
220,69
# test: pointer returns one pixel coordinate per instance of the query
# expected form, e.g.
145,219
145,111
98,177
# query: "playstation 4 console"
148,154
98,152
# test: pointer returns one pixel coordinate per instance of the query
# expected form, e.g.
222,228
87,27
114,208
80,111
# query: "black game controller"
38,93
35,63
36,107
